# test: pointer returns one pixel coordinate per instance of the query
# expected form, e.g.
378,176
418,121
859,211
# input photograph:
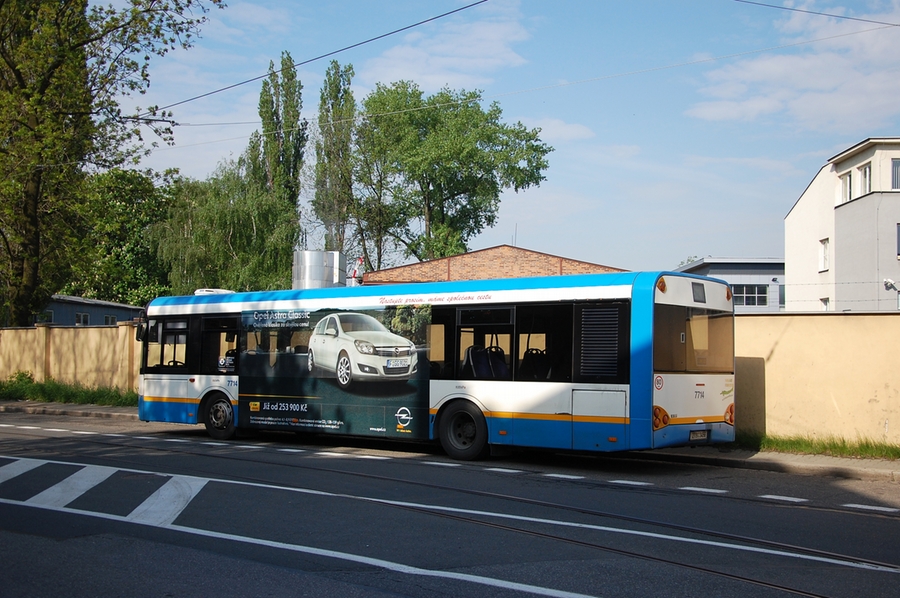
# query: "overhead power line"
320,57
813,12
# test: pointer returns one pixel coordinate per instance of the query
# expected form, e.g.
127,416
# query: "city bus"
586,362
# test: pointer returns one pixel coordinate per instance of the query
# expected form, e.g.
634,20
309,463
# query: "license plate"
700,435
397,363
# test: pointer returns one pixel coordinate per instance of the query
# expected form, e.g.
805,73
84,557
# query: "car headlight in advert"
365,347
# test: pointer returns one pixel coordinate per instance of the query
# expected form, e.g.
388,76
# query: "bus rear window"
690,339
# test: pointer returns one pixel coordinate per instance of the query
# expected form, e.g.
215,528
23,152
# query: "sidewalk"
719,456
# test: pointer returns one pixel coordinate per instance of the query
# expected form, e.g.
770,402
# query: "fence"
819,375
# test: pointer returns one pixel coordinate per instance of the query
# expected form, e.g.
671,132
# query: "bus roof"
615,285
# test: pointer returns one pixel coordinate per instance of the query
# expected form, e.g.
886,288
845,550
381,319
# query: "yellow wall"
92,356
820,375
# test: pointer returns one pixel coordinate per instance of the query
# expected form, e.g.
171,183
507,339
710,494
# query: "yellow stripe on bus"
562,417
704,419
176,400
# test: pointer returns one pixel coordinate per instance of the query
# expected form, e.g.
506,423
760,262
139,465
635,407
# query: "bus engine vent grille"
600,341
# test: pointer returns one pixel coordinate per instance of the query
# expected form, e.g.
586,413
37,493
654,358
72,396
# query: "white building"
842,237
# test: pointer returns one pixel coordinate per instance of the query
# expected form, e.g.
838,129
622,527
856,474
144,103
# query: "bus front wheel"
463,431
219,418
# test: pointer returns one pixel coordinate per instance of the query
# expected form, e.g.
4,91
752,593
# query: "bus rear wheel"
219,417
463,431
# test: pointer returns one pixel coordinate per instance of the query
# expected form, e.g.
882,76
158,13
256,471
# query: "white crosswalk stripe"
72,487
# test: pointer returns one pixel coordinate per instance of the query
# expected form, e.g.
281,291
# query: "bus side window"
544,343
167,343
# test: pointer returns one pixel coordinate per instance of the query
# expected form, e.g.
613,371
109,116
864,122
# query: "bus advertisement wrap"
348,372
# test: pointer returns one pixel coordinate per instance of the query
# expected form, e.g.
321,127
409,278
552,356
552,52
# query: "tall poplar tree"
333,202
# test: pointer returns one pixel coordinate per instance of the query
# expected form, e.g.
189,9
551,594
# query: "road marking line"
706,490
215,443
57,430
441,464
872,508
163,506
502,470
279,450
194,485
784,498
27,428
330,454
630,483
175,440
373,457
562,476
85,433
61,494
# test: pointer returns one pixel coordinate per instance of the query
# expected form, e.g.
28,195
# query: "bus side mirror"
140,332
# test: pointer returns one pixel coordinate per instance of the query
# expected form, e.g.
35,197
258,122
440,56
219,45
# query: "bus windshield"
695,340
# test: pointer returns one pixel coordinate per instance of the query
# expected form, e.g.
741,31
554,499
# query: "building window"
109,320
46,316
865,179
781,297
750,294
895,174
823,255
82,319
846,188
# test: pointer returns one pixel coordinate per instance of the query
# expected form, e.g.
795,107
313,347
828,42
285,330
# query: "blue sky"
680,128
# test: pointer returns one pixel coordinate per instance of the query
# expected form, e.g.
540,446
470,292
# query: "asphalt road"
116,507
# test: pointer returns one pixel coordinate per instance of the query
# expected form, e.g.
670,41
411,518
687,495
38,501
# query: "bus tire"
343,370
463,431
219,417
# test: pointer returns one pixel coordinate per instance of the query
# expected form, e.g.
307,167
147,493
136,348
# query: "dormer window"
865,178
846,188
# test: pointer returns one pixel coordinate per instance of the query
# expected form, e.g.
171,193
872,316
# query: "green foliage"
830,446
228,232
65,65
334,199
275,157
22,387
238,229
122,265
442,162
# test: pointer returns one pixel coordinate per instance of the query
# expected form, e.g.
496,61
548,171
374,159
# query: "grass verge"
831,446
22,387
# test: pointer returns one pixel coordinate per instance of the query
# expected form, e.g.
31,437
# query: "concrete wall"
92,356
819,375
865,232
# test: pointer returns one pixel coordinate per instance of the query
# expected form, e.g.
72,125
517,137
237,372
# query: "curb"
79,411
817,465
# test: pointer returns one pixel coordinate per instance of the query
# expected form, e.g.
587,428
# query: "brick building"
503,261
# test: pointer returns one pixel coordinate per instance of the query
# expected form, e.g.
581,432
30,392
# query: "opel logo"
404,417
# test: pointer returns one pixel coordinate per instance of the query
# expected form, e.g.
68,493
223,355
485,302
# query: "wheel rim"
462,430
220,415
343,370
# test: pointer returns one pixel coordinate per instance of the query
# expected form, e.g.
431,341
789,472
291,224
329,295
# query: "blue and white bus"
594,362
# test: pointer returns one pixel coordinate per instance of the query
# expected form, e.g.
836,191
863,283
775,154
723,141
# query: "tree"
446,161
122,264
63,67
334,199
238,229
275,157
228,232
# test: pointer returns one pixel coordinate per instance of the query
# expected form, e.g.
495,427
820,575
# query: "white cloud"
554,130
850,73
459,55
